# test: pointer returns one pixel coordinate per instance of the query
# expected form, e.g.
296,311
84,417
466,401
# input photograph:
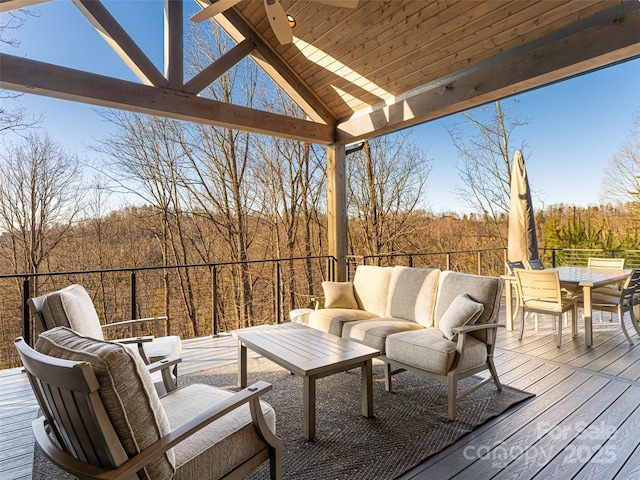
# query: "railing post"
553,257
133,303
278,293
26,318
448,266
214,299
410,260
479,255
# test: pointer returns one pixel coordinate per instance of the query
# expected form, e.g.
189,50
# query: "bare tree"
621,181
148,161
483,140
17,118
40,196
385,181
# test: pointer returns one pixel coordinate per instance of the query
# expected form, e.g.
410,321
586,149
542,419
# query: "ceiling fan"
280,22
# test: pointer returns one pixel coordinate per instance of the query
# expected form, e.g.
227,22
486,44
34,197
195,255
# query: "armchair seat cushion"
373,333
428,350
163,347
331,320
219,447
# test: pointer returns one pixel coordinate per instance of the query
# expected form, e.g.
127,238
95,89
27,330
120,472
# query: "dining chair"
540,292
511,266
534,264
622,303
607,264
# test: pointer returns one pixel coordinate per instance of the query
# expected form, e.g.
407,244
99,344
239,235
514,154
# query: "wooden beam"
274,66
173,44
584,48
30,76
337,223
8,5
121,42
223,64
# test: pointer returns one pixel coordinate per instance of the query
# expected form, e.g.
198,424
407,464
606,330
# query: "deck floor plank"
575,386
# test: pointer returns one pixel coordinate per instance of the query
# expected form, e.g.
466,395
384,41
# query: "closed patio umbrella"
523,243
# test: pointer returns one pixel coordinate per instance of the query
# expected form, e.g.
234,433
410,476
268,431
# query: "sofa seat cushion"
331,320
126,390
374,332
428,350
215,450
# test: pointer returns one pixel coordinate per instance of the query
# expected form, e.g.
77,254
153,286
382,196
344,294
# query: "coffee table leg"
242,365
309,406
367,389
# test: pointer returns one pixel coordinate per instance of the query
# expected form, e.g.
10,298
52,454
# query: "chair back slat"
539,286
594,263
67,393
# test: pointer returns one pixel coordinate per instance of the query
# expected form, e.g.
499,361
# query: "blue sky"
574,127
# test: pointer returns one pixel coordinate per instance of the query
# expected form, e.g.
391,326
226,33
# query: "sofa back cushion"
72,307
412,294
126,390
371,286
485,290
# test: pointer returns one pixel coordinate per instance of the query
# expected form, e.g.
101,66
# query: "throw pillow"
462,311
126,390
339,295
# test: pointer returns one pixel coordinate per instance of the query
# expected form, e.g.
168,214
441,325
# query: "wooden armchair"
72,307
102,417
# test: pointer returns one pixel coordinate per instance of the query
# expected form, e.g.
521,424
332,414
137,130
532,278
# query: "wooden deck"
583,422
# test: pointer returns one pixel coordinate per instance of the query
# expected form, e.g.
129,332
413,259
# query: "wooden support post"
337,207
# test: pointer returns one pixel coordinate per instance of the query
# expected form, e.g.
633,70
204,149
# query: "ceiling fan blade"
341,3
214,9
278,20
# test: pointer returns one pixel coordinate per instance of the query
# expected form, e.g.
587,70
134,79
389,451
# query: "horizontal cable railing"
211,298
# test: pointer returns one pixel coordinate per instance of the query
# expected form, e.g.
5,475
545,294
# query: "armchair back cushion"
126,390
481,289
412,293
371,286
72,307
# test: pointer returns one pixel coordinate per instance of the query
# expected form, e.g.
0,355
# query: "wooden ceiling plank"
435,40
8,5
173,44
223,64
277,69
591,48
477,47
121,42
30,76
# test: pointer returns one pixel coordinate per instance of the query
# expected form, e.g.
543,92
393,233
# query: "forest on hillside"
164,194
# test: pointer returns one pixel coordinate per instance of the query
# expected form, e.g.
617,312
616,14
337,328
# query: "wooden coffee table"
310,353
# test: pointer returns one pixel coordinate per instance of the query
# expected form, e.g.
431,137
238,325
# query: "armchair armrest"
250,395
138,321
144,339
474,328
169,374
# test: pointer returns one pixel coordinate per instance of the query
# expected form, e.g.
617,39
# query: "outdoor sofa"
441,324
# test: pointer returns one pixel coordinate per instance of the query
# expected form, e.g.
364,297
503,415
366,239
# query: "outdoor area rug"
410,424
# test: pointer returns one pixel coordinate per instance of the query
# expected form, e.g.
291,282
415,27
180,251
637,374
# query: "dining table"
573,278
